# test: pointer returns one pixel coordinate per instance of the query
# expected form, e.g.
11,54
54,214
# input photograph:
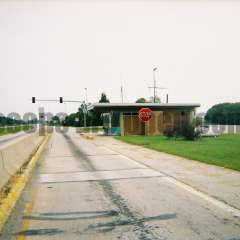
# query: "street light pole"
86,96
85,108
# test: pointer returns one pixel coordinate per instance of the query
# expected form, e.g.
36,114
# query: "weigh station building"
122,118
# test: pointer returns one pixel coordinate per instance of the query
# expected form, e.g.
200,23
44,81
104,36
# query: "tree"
55,120
224,113
77,119
104,98
157,99
141,100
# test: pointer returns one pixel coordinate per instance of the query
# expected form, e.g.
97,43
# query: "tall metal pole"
154,85
122,93
85,108
84,115
86,96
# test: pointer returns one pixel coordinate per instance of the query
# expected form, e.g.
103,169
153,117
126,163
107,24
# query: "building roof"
134,107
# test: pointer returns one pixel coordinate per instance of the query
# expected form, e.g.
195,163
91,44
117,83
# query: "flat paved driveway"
104,189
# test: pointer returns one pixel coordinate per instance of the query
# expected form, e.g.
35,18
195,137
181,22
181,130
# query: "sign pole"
144,115
145,134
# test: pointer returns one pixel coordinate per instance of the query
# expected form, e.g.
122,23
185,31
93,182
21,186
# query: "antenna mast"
155,86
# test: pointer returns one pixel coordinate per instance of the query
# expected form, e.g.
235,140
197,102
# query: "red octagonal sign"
145,114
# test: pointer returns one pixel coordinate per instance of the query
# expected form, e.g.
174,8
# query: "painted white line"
212,200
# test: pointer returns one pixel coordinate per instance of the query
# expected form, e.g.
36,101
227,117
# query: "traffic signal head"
61,99
33,100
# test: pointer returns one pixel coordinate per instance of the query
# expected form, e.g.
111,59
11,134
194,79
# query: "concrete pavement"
10,137
220,183
105,189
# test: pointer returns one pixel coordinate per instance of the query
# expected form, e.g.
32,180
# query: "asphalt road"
83,189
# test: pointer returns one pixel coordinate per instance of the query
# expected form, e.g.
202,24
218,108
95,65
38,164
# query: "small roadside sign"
145,114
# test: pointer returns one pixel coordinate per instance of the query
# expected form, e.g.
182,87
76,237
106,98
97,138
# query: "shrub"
187,131
169,132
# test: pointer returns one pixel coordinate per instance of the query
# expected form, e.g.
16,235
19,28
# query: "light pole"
86,96
154,85
85,108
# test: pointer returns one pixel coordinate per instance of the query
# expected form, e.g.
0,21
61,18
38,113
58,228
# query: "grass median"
14,129
222,151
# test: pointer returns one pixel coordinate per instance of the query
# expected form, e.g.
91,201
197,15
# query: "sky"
53,48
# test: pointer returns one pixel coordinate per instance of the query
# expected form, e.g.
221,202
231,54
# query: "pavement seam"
144,232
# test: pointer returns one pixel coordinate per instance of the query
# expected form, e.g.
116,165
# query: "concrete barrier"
15,154
4,176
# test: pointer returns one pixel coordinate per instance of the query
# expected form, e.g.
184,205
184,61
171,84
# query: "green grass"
222,151
90,129
11,130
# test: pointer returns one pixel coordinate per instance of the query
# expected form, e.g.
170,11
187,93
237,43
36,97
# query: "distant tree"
104,98
6,121
56,120
224,113
72,120
77,119
141,100
157,99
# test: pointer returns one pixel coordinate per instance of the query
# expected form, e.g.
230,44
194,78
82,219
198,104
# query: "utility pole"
155,87
121,79
122,93
85,116
85,108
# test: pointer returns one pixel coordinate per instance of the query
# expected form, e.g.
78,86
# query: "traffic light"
61,99
33,100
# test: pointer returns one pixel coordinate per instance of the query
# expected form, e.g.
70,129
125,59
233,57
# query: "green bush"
187,131
169,132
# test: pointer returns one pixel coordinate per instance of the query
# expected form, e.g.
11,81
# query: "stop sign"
145,114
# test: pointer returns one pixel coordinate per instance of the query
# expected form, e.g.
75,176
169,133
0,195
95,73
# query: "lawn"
221,151
11,129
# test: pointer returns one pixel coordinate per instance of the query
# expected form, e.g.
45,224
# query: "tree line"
6,121
224,113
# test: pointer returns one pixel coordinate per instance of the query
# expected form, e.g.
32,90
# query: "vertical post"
86,96
122,123
154,85
146,126
122,93
85,114
110,122
41,115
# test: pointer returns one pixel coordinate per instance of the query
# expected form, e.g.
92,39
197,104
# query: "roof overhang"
135,107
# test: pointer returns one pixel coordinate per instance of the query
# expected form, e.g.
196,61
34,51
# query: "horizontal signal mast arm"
56,100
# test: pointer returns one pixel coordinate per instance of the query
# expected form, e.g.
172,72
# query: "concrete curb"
8,203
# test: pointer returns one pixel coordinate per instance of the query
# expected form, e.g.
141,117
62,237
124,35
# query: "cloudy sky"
57,48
